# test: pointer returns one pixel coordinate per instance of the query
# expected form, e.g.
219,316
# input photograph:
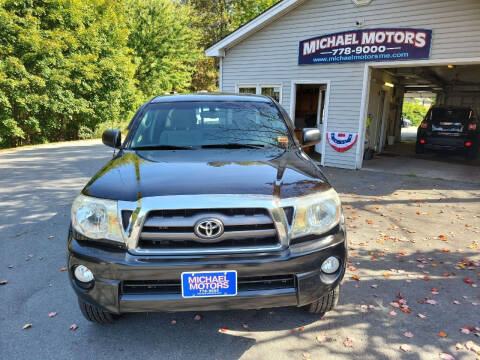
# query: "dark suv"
209,204
450,128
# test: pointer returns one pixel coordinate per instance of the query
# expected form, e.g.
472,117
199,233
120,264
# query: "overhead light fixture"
389,84
450,66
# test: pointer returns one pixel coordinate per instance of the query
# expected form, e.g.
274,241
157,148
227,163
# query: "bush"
415,112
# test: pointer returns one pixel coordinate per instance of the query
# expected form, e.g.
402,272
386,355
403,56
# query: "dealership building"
346,66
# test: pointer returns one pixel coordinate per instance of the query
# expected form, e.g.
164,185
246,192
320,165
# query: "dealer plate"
209,284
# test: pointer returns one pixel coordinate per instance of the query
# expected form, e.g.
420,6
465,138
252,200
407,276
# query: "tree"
216,19
64,64
165,45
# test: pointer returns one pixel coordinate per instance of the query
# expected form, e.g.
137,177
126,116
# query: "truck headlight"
96,219
316,214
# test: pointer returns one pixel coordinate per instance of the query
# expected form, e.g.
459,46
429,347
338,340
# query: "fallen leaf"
306,356
374,286
442,334
402,252
426,278
442,237
63,269
431,302
421,316
321,339
445,356
408,334
405,348
173,321
197,317
356,277
27,326
393,313
348,342
73,327
245,325
458,346
406,310
464,330
301,328
387,275
52,314
468,281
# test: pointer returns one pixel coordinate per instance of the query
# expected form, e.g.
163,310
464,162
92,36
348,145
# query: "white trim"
256,24
363,112
259,85
293,97
220,75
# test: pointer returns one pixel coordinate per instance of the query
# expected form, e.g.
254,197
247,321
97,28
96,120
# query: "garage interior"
394,145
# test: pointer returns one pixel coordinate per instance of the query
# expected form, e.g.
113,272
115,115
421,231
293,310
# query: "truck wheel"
419,149
95,314
324,304
471,153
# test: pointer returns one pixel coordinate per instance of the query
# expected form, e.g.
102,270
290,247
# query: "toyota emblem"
209,229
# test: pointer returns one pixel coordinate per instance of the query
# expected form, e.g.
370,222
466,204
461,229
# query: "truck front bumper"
155,278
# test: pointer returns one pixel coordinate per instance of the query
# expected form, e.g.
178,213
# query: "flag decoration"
342,141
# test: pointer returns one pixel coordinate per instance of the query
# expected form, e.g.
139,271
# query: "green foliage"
165,45
415,112
64,64
71,68
215,19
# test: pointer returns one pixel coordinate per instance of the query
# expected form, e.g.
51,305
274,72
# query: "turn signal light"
468,144
424,125
472,127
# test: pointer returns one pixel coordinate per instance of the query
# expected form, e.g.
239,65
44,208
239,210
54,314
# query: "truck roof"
211,97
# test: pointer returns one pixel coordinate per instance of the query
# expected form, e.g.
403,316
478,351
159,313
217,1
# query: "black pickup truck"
209,203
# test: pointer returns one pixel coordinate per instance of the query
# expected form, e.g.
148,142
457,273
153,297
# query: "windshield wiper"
162,147
233,146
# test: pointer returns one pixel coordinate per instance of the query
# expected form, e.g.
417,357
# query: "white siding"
271,54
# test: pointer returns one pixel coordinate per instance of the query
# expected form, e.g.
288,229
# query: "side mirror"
112,138
311,137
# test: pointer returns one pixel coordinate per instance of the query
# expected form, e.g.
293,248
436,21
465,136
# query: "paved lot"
397,225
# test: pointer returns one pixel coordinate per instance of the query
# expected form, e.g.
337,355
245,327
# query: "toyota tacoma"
209,203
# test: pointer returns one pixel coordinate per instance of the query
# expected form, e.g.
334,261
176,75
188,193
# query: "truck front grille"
174,229
174,286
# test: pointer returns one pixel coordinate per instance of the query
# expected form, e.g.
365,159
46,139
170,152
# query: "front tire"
95,314
324,304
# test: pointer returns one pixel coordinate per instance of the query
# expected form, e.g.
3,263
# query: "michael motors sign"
366,45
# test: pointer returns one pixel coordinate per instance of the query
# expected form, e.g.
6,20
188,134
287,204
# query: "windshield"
449,115
211,124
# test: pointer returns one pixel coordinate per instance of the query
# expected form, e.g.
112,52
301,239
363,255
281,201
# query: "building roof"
265,18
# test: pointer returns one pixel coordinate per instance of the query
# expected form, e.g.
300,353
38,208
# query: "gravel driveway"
411,284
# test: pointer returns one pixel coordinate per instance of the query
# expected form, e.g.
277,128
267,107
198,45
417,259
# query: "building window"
272,90
247,90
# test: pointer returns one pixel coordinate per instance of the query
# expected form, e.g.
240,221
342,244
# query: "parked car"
209,204
450,128
406,122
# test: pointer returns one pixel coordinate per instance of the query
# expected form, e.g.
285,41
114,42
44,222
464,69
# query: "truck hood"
131,176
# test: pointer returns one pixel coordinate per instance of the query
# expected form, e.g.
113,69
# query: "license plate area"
209,284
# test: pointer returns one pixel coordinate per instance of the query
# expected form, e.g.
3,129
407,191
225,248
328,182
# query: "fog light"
330,265
83,274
